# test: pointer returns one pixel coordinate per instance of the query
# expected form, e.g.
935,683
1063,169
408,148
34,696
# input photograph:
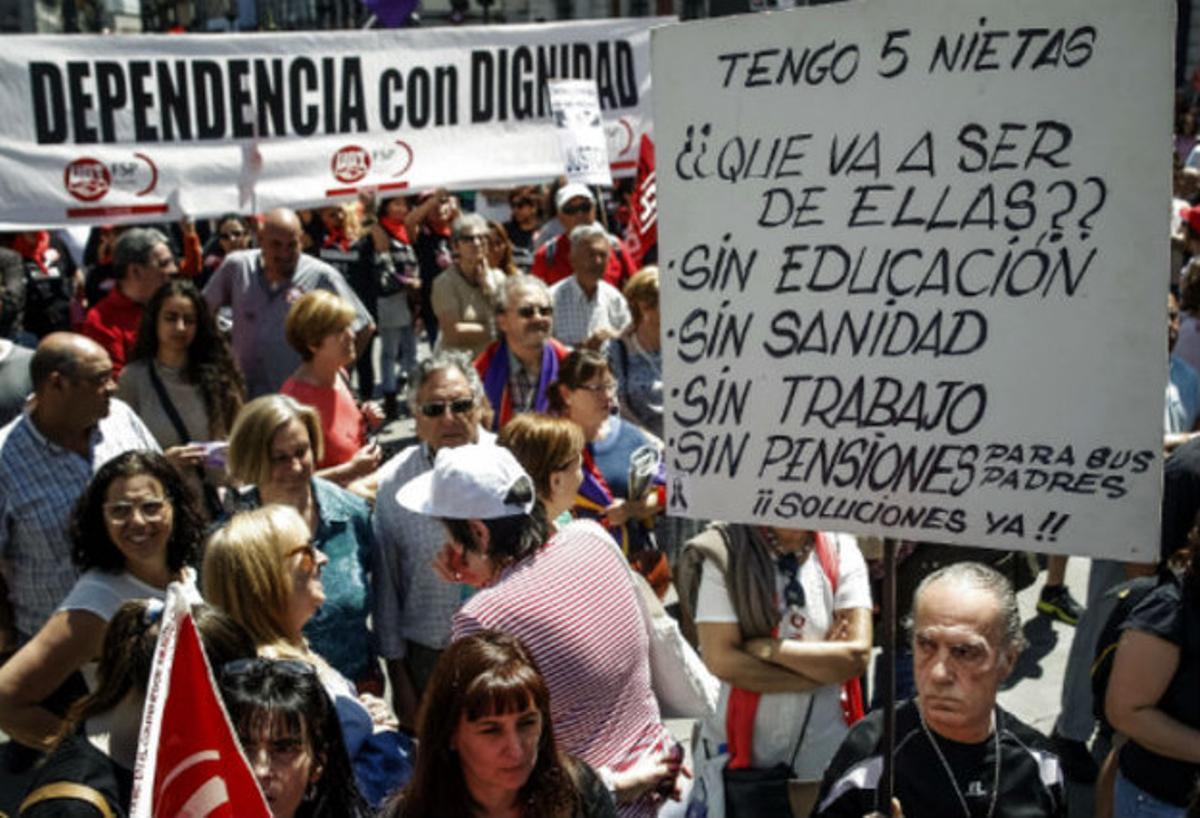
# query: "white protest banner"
105,129
914,269
576,107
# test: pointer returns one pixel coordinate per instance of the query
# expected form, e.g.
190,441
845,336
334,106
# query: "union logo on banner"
189,762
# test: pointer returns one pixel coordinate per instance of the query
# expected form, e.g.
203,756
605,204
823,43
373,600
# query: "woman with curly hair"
182,381
135,530
487,745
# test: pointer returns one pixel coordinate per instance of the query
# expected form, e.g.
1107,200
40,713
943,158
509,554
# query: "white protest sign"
576,107
108,129
914,269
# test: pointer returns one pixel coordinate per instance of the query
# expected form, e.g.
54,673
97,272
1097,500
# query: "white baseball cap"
573,190
472,482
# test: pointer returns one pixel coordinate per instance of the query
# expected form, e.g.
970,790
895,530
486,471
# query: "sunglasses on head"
257,666
576,209
530,310
435,409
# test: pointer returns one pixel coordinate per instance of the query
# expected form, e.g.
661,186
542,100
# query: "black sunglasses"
530,310
523,203
575,209
436,409
793,591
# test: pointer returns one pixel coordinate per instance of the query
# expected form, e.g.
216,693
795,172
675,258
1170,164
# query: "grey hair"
440,362
984,578
513,284
468,221
586,232
134,247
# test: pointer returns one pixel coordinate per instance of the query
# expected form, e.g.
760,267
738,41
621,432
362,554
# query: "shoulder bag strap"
803,729
167,405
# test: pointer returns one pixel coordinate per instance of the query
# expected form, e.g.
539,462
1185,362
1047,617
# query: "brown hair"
575,370
497,233
542,444
641,290
255,428
313,318
488,673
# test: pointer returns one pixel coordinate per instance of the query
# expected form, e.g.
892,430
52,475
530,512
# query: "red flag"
643,224
189,762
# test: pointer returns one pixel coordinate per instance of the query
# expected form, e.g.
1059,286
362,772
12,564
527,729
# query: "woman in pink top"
318,326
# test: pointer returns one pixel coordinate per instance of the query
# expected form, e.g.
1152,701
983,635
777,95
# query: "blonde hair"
244,572
542,444
255,428
313,318
642,288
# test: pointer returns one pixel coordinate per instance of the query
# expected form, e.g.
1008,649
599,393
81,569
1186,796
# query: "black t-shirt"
1173,614
77,761
1031,783
1181,496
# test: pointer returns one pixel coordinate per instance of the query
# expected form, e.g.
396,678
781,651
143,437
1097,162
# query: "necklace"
937,748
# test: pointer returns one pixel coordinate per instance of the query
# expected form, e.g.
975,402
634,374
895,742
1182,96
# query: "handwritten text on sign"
914,270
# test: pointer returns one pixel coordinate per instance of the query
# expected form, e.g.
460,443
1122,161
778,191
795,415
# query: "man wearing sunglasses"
576,207
519,367
412,605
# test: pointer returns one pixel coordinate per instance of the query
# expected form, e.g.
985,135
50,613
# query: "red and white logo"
350,164
87,179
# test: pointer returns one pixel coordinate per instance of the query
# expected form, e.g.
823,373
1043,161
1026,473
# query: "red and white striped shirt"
573,606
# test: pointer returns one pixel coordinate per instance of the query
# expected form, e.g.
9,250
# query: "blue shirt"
338,631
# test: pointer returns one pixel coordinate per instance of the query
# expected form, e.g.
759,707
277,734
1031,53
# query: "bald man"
260,286
71,426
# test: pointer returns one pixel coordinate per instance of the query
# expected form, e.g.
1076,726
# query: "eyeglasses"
530,310
576,209
233,235
606,388
258,666
478,237
435,409
793,591
522,203
94,378
309,561
122,511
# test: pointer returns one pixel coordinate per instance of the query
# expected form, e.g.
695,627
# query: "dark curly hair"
210,363
487,673
91,547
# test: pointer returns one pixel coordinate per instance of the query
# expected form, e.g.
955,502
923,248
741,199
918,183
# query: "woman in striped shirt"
583,626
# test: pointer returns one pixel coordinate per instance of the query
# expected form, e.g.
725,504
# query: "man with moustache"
517,369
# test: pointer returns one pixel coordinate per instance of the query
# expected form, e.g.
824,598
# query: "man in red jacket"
552,261
143,261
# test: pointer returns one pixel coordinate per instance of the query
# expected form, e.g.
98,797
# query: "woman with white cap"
583,627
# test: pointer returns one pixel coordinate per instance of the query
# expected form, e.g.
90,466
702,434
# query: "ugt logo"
350,164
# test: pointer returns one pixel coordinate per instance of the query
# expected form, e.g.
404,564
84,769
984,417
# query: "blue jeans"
396,341
1130,801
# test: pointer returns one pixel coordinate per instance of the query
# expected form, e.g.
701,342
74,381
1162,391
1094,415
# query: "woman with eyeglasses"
90,768
184,384
585,393
487,742
136,529
288,728
272,450
319,326
784,620
233,233
263,569
463,295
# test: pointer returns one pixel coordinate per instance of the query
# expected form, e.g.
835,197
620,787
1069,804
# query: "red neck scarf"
395,228
35,250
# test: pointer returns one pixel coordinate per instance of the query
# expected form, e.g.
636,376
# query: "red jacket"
113,324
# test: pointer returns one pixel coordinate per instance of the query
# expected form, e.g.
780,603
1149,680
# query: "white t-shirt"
780,716
102,593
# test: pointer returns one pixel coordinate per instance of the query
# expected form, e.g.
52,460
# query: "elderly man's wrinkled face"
957,658
448,411
589,258
527,320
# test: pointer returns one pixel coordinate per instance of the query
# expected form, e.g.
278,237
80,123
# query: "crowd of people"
472,625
